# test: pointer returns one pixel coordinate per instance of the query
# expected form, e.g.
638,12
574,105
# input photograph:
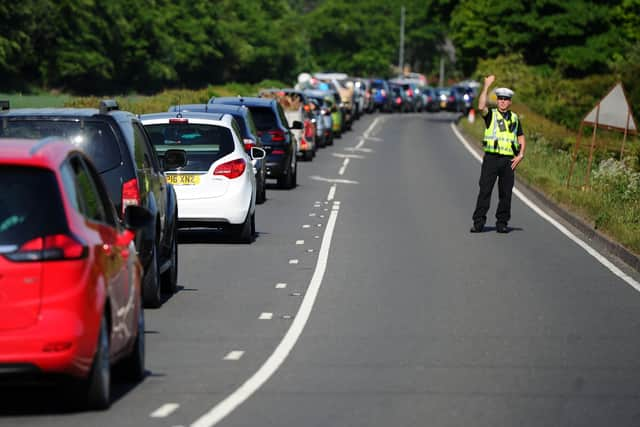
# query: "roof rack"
4,105
107,105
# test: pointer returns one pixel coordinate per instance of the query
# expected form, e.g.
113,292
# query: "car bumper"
230,208
65,349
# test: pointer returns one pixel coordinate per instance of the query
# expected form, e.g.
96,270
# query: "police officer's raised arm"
482,101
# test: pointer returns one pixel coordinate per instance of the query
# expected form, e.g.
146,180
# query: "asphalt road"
365,301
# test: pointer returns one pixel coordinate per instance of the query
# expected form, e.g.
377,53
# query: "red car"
70,296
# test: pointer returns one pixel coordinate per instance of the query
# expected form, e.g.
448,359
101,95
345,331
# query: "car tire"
98,384
308,155
151,291
294,178
261,190
243,233
170,277
133,365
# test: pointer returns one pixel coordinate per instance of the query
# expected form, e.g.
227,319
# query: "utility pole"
401,54
442,71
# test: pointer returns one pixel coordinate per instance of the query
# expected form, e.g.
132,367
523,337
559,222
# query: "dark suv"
276,136
121,150
248,132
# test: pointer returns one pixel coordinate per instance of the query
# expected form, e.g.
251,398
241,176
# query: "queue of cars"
94,197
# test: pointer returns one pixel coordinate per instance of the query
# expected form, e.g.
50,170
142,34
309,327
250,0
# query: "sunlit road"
399,316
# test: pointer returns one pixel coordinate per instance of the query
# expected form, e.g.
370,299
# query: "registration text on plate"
183,179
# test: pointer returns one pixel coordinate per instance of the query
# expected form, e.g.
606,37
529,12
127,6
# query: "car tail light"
56,247
276,135
383,93
179,120
308,129
409,92
248,143
278,152
130,194
303,143
452,98
232,169
398,100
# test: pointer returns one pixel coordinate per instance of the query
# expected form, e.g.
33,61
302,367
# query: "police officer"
504,145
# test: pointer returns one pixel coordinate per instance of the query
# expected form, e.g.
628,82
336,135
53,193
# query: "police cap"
503,91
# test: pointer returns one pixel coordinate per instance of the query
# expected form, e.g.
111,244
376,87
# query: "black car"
121,150
276,136
401,102
249,134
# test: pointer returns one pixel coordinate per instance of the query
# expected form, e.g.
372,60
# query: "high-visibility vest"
500,137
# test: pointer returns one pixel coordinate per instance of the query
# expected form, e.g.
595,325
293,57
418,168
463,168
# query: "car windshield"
94,138
264,118
30,206
204,144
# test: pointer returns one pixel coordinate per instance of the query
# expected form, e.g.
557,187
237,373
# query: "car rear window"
203,143
95,138
264,118
30,206
377,85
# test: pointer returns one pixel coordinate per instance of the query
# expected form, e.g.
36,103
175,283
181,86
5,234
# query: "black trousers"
494,167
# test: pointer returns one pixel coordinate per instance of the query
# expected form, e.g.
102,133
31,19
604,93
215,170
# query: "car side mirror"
174,159
258,153
136,217
297,124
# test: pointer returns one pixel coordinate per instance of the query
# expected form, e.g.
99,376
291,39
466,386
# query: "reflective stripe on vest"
501,139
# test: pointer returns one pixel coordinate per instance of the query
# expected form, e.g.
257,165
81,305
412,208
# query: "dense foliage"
88,46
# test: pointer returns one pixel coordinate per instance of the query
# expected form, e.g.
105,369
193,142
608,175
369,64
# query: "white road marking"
366,133
332,193
347,156
271,365
337,181
591,251
265,316
165,410
299,242
344,167
281,285
293,261
234,355
306,226
312,214
361,150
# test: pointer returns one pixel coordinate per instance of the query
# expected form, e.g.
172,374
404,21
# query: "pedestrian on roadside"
504,146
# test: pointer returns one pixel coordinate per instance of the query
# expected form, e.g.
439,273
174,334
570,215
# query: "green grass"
546,167
35,101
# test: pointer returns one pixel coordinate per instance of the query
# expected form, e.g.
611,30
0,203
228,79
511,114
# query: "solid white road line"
271,365
347,156
337,181
591,251
344,167
165,410
234,355
332,192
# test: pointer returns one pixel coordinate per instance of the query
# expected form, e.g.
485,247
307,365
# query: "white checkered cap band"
503,91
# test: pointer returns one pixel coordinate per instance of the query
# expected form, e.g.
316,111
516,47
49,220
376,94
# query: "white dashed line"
265,316
293,261
312,214
281,285
165,410
332,193
306,226
347,156
299,242
234,355
344,167
223,408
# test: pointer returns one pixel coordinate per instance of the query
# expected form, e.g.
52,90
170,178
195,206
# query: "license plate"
443,104
183,179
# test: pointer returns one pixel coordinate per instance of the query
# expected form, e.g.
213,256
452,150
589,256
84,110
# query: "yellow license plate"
183,179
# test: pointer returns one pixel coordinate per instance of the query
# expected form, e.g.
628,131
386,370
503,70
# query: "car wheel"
244,232
170,277
294,178
261,189
133,364
308,155
151,293
98,384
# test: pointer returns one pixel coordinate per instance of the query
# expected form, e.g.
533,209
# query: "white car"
216,187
